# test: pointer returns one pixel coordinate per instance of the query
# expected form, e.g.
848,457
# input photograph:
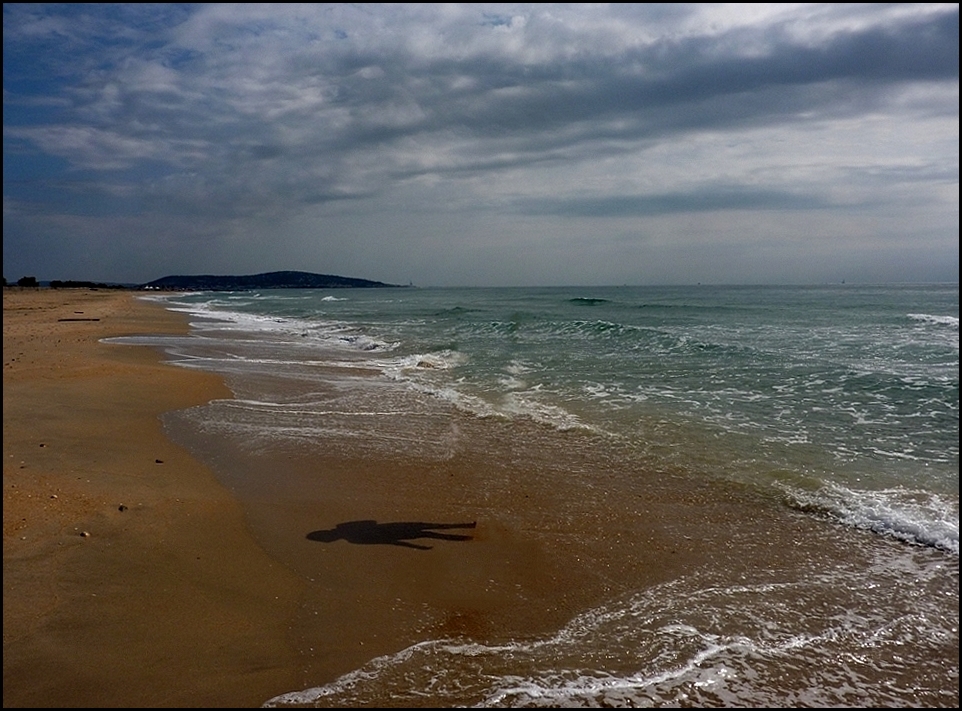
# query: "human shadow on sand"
399,533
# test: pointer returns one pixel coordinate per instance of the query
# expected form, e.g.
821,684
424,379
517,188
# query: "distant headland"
268,280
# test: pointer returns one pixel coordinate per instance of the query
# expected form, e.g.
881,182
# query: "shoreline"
136,575
185,590
223,568
167,600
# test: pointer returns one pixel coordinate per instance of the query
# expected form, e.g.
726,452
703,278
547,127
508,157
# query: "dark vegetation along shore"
210,282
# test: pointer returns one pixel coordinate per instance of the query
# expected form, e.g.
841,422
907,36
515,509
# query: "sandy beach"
150,561
128,575
133,577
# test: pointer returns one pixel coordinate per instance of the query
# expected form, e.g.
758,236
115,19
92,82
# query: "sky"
483,145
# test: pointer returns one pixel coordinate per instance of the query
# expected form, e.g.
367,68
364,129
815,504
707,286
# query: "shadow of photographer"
399,533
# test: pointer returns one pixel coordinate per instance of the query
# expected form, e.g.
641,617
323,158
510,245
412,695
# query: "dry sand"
129,577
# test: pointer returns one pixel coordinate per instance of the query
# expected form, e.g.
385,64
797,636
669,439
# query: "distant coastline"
268,280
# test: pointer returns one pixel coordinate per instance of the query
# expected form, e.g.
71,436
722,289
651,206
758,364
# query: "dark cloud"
246,113
708,200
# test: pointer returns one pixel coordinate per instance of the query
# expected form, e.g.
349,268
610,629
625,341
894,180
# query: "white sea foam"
517,404
936,319
694,641
426,374
517,367
330,333
509,382
918,517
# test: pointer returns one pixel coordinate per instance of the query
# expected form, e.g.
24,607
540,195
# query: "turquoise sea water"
840,402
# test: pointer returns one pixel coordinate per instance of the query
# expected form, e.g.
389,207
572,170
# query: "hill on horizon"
267,280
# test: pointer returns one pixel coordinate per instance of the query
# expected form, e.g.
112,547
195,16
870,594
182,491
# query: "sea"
814,429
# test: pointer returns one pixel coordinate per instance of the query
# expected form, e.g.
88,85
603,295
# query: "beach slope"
129,577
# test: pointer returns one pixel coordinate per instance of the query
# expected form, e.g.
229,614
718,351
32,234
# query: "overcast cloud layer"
483,144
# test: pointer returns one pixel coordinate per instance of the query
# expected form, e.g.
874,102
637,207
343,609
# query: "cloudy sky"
483,144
